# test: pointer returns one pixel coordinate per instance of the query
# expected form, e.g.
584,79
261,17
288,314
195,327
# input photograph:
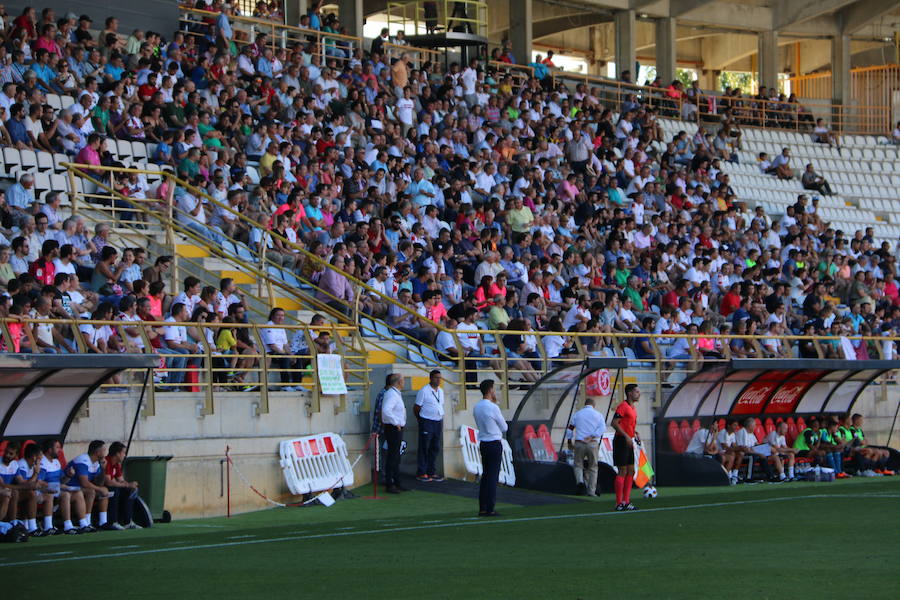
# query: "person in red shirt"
731,301
625,423
123,493
42,269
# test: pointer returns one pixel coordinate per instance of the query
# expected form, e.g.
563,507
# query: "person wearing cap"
82,36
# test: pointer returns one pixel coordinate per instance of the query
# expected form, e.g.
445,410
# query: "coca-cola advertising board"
754,397
786,398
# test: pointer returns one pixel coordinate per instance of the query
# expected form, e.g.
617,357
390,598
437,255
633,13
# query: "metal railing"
653,367
209,369
441,16
748,112
326,45
418,56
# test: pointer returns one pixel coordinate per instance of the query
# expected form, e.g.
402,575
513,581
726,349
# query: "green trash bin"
150,473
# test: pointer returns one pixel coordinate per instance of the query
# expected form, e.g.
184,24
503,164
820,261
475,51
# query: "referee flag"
644,472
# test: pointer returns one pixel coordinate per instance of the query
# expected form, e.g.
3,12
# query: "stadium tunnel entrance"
770,390
540,464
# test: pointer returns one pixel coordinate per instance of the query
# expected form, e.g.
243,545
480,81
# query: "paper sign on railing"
331,374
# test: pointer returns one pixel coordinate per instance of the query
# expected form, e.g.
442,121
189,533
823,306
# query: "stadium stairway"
210,260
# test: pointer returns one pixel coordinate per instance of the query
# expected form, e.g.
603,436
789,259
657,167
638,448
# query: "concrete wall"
196,481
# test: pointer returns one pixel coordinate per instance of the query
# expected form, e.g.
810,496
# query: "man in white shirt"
393,417
491,427
276,340
589,426
746,441
782,453
429,411
705,442
176,343
727,439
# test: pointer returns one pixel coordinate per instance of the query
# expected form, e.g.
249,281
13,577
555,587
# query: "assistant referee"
491,427
624,422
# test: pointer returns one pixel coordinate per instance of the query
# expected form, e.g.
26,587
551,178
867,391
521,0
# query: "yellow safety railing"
748,112
418,56
419,17
212,367
326,45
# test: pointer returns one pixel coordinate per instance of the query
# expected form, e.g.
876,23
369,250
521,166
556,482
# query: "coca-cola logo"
756,394
788,393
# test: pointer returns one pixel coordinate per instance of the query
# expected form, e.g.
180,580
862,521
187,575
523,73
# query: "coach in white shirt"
393,416
491,427
589,426
429,411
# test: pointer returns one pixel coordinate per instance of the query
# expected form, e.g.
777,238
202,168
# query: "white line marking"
124,547
180,542
240,537
56,553
345,528
478,521
437,521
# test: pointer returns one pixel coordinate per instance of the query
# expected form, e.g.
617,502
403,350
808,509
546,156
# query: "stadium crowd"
470,199
43,495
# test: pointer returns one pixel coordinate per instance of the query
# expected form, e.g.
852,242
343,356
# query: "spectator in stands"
176,345
334,288
781,165
813,181
822,135
123,493
20,197
276,340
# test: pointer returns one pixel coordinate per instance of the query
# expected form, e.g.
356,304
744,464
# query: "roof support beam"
798,11
855,17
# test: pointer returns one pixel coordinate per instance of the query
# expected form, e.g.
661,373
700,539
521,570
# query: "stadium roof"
40,394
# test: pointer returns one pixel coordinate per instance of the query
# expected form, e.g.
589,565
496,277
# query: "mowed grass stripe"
449,524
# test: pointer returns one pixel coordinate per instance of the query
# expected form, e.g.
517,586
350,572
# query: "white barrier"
315,463
468,442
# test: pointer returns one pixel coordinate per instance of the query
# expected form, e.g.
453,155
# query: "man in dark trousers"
393,417
491,427
123,493
429,410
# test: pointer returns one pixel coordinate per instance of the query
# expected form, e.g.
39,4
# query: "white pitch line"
128,547
240,537
56,553
479,521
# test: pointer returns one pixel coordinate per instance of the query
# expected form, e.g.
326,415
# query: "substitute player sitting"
704,443
30,486
625,423
89,472
782,454
70,501
727,441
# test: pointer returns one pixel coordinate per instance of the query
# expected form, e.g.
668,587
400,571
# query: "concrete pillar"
840,69
666,49
293,10
350,12
767,62
520,30
625,44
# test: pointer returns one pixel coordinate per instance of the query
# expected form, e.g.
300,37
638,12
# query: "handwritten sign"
331,374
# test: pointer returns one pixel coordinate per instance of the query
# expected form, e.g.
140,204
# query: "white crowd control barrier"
468,441
315,463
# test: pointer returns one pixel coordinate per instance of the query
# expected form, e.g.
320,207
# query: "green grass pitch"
798,540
